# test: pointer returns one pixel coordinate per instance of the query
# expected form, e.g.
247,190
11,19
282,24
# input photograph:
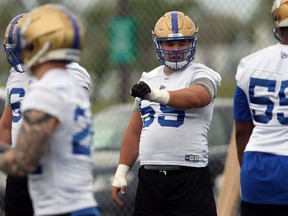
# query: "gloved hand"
140,90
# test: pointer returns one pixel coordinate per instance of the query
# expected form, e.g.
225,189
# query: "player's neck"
284,41
284,34
41,69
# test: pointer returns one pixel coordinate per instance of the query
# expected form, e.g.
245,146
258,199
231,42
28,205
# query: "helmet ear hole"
30,47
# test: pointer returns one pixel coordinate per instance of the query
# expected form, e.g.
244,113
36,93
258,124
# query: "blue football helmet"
175,26
9,44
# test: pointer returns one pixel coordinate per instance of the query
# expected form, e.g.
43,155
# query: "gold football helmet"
280,16
175,25
50,32
9,43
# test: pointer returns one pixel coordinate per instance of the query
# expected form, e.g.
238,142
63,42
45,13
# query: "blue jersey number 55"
266,101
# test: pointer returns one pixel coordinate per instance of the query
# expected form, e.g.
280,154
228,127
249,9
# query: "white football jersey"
173,136
265,85
16,87
61,183
80,75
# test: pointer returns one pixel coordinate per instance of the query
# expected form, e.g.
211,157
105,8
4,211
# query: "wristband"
120,175
122,170
159,96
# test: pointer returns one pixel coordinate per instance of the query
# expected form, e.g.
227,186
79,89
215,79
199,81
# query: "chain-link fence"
118,45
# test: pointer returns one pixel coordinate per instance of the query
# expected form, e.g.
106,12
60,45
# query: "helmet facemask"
183,56
9,44
13,58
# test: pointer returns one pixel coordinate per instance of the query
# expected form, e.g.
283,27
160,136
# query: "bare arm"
128,155
6,125
193,97
243,132
130,143
32,143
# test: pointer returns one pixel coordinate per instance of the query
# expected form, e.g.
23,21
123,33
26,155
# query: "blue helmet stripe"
174,21
76,41
12,27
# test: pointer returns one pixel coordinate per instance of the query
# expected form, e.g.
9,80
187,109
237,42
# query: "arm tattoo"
4,147
32,143
33,121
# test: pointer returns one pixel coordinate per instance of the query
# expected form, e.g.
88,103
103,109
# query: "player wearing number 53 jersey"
261,117
169,127
53,145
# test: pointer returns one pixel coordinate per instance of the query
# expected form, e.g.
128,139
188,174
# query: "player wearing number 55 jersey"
261,117
169,125
53,146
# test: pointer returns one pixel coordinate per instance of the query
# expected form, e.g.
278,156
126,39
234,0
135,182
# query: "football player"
168,129
261,120
73,147
17,199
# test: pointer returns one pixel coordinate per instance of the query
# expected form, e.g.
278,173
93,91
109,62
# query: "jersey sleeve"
241,106
80,75
8,84
206,83
202,71
44,101
7,101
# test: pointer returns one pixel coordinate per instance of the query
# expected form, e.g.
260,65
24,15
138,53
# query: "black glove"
140,90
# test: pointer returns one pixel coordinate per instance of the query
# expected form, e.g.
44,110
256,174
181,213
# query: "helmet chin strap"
61,54
38,55
176,65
